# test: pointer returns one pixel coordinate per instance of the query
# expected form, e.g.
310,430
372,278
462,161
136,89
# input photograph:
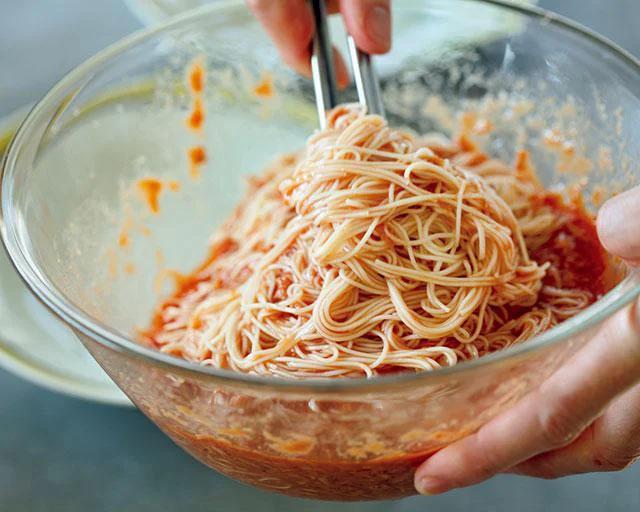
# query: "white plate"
36,346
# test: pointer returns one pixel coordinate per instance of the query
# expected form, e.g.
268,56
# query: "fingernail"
378,25
430,486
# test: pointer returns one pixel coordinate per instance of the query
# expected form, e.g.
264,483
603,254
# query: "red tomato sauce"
377,479
574,249
196,78
197,158
264,88
150,189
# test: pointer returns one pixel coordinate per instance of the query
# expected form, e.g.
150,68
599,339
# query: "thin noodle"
369,253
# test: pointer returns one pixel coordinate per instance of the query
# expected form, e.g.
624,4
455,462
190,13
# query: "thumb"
619,225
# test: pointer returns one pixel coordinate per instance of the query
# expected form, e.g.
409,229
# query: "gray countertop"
60,453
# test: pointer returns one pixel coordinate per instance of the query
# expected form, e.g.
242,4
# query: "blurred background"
62,453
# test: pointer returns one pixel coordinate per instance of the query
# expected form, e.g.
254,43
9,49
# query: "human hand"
290,24
585,418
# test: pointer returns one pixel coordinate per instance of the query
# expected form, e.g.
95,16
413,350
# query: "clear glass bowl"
69,197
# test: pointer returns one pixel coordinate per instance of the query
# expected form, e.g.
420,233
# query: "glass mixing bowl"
87,245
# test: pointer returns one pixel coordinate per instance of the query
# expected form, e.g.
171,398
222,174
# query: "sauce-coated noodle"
376,251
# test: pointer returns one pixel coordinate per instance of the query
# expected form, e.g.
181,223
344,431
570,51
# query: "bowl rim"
47,293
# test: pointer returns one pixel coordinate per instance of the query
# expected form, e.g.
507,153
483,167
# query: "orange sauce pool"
574,249
184,284
377,479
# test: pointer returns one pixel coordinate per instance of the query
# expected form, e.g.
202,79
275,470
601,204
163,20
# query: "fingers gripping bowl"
91,249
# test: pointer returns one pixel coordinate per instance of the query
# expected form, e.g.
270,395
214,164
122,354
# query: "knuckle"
615,450
618,453
607,459
486,461
557,426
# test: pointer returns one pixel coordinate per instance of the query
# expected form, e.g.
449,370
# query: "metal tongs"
324,73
